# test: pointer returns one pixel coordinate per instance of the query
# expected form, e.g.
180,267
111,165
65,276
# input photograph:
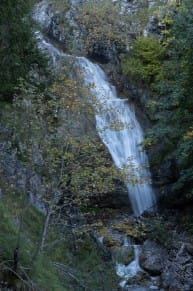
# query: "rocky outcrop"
58,24
103,53
116,199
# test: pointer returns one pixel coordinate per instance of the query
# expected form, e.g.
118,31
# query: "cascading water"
116,124
122,135
47,48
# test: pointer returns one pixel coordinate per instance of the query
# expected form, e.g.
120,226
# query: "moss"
61,5
136,231
92,270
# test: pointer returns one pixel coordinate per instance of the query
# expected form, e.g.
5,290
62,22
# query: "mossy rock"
109,241
122,255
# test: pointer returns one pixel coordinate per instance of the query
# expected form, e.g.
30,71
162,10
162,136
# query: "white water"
121,133
41,14
116,123
50,50
129,271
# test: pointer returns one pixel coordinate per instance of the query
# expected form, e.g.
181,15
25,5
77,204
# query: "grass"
11,208
79,268
61,5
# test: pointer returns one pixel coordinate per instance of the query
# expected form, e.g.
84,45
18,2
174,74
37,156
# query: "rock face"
116,199
19,176
60,25
103,53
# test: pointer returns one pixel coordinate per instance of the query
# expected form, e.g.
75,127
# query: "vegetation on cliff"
164,63
52,135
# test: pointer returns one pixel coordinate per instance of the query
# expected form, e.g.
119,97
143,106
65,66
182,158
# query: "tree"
18,49
57,145
173,129
145,59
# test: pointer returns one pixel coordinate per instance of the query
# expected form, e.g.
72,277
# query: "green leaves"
145,60
18,49
173,128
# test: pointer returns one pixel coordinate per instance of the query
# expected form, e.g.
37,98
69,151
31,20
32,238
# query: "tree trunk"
41,244
44,231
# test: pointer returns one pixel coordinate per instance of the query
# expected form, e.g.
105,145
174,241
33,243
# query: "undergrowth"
64,265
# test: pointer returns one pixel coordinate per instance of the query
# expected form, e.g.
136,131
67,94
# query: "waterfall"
115,120
121,133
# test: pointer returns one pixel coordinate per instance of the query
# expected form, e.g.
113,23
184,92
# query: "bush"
144,61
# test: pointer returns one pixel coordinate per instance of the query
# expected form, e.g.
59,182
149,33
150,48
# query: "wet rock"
141,277
153,258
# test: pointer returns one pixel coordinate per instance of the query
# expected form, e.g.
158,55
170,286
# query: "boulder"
152,258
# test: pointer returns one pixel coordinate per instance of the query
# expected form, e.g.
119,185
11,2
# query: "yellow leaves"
152,105
188,135
130,229
73,159
176,103
167,21
148,142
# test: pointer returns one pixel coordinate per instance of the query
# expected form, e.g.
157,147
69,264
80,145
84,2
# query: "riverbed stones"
178,273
